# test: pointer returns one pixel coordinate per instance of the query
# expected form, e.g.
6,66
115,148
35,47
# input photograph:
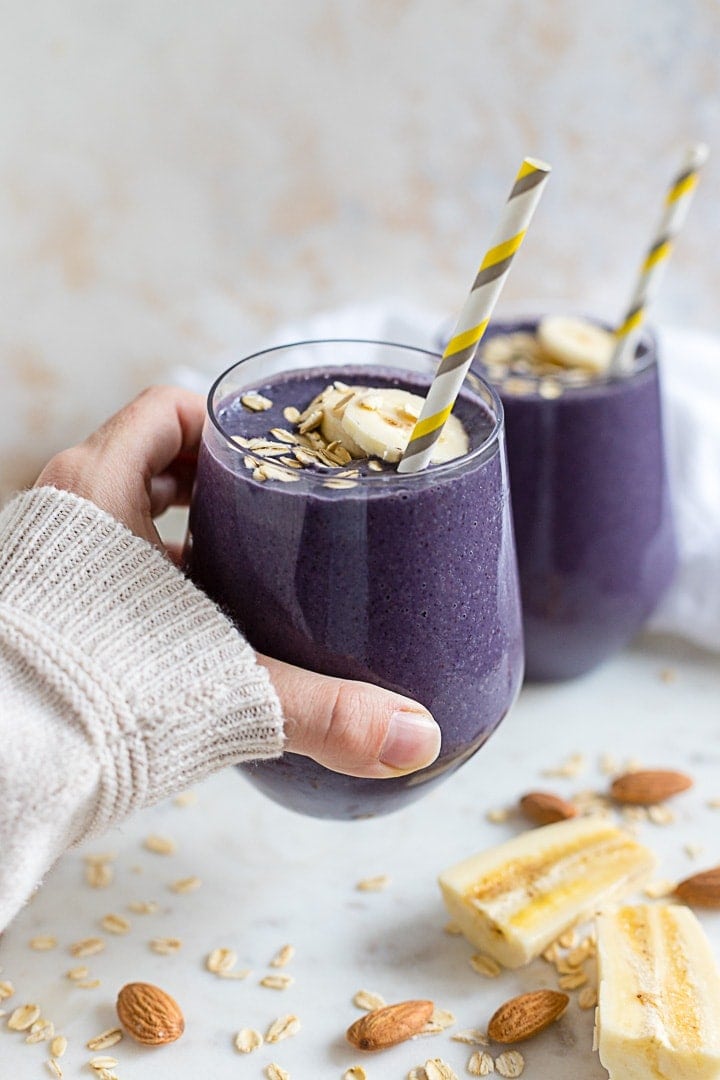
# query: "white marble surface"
180,178
270,878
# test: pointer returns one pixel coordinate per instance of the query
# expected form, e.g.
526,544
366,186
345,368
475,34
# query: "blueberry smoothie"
346,567
591,503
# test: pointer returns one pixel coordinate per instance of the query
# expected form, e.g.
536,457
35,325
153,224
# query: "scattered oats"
43,942
276,472
143,907
259,474
714,804
498,815
417,1074
510,1063
660,815
80,972
608,765
166,946
662,887
105,1074
256,402
305,456
375,466
274,1072
634,814
277,982
587,998
452,928
282,1028
103,1061
115,924
563,967
6,990
480,1064
99,875
160,845
311,422
105,1039
291,462
437,1069
632,764
337,483
552,953
241,973
549,388
439,1021
573,980
284,436
221,961
53,1067
568,938
23,1017
291,414
248,1040
186,798
572,766
88,984
186,885
366,999
356,1072
88,946
283,956
485,965
668,675
373,884
693,850
579,955
41,1031
250,462
471,1037
58,1046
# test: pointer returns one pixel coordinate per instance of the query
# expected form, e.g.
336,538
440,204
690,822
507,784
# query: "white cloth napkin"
690,372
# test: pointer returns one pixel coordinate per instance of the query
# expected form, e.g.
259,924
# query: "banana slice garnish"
380,422
576,343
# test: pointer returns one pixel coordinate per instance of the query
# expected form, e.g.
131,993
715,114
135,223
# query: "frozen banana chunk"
514,899
658,1015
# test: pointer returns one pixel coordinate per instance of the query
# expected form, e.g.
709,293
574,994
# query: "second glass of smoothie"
591,502
339,564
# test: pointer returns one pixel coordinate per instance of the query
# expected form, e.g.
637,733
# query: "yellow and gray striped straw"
676,206
475,315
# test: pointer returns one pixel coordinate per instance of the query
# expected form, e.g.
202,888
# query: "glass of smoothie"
302,529
591,504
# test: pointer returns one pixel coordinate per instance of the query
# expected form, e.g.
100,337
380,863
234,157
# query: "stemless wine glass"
407,581
592,509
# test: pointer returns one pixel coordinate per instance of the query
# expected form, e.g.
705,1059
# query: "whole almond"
649,786
544,808
389,1025
149,1014
701,890
524,1016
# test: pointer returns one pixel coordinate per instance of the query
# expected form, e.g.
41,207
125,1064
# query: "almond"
701,890
544,808
524,1016
149,1015
389,1025
649,786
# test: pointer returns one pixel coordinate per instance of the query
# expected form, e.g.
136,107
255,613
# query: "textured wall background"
179,177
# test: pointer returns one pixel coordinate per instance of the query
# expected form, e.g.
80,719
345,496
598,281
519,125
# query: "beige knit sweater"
120,682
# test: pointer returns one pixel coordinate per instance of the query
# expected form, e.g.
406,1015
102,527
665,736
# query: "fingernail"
412,740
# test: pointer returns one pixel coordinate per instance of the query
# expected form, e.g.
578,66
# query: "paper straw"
676,206
475,315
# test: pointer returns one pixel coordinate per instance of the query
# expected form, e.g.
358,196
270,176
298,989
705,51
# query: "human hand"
141,462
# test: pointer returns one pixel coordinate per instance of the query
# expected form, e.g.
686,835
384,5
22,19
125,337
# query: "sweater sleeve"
120,682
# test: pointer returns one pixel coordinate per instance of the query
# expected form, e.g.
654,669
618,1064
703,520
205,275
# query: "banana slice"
333,403
576,343
381,421
516,898
658,1014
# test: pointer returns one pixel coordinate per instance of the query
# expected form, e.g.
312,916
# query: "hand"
141,462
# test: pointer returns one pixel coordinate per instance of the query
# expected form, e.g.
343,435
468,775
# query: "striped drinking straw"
677,204
475,315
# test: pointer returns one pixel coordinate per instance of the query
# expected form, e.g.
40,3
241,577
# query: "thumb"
352,727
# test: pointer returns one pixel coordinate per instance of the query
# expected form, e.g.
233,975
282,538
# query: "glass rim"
389,476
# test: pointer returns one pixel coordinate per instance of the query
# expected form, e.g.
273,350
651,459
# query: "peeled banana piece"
513,900
381,422
658,1015
576,343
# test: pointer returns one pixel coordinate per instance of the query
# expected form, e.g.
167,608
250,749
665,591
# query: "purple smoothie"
592,513
408,582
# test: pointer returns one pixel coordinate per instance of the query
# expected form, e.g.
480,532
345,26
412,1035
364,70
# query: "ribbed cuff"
168,689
